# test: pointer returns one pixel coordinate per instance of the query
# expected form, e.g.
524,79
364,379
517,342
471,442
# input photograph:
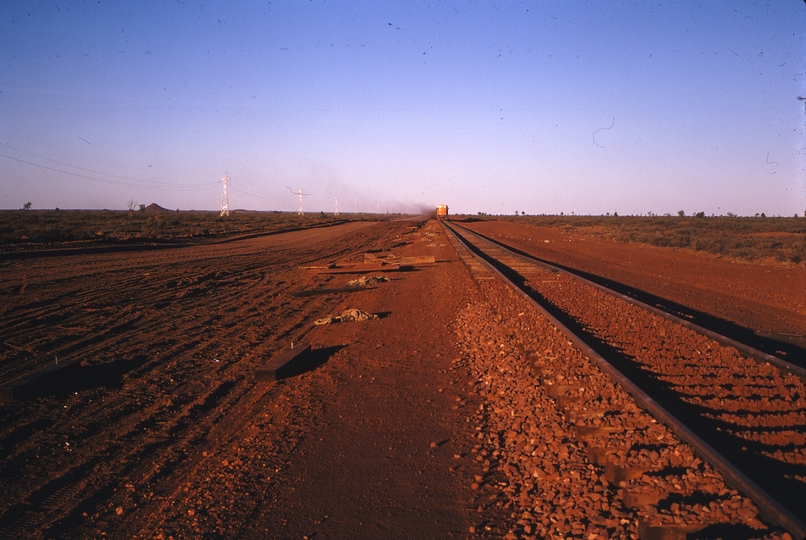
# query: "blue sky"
542,107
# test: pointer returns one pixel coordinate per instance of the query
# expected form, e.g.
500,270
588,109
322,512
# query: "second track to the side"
747,413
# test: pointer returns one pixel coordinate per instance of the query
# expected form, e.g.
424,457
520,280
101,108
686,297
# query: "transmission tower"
224,198
301,194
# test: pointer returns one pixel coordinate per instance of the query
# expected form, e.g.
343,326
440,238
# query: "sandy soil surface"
161,430
766,298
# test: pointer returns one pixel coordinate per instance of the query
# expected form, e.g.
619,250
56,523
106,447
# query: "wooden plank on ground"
395,259
282,364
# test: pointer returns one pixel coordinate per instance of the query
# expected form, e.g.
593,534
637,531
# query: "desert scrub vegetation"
35,229
746,238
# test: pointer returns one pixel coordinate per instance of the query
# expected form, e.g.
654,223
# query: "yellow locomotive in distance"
442,211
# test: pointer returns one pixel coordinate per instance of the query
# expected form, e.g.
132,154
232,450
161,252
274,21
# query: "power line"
138,182
72,153
103,181
133,183
248,192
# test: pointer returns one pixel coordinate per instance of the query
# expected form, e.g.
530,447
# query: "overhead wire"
62,150
115,179
250,193
132,182
139,184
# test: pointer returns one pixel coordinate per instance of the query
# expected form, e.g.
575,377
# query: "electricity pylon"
224,198
301,194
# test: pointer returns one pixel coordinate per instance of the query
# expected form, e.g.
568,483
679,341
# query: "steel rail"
747,350
768,506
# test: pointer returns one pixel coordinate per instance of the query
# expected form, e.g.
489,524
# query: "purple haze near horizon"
542,107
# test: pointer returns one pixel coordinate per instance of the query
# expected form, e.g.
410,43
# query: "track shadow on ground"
311,361
774,476
724,531
78,378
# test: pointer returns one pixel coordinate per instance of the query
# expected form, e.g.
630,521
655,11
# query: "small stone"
119,510
755,524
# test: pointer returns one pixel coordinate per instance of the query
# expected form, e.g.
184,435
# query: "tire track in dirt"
173,395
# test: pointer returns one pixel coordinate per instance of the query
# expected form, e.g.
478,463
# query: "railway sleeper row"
579,455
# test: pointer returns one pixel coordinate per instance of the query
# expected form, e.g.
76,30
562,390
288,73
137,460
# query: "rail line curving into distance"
740,409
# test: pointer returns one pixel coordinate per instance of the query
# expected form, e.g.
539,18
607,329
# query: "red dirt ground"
163,431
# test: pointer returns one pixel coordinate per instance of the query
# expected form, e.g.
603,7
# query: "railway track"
739,410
